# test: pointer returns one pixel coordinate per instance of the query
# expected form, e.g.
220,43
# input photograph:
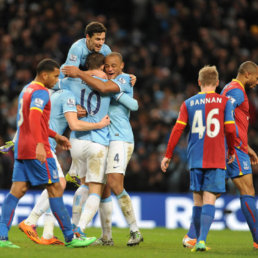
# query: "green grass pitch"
158,242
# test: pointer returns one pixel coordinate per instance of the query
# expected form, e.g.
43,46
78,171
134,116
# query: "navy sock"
196,213
60,212
8,209
249,210
207,216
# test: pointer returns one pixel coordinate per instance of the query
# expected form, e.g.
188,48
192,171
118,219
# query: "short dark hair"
47,65
247,66
94,61
95,27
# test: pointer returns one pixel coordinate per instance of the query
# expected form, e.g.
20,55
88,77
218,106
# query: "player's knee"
55,190
18,190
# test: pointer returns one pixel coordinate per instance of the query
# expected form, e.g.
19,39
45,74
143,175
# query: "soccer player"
63,114
34,162
210,117
240,171
120,147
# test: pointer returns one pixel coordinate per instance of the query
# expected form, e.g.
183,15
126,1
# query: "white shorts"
119,154
89,160
59,169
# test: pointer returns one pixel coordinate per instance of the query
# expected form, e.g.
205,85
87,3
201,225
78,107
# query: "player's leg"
240,172
105,210
118,157
18,189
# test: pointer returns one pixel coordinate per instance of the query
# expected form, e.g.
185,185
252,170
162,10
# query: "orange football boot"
30,231
52,241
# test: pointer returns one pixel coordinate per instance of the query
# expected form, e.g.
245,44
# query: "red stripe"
238,163
11,217
48,172
246,204
60,222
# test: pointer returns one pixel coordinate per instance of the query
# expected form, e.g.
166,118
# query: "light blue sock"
207,216
122,194
8,209
60,212
248,208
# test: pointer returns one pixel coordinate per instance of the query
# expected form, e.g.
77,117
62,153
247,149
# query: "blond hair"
208,75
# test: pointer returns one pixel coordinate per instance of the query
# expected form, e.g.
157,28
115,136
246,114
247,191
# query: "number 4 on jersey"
198,126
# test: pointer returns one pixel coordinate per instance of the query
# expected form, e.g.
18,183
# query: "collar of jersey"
39,83
202,92
235,80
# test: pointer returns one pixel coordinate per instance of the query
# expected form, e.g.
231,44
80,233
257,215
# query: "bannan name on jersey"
205,101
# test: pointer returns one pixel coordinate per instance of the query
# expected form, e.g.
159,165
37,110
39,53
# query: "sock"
126,206
49,224
90,209
196,220
8,209
207,216
196,212
79,199
62,216
248,208
105,210
40,207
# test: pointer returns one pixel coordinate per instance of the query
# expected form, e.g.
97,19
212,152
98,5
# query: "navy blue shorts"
210,180
31,170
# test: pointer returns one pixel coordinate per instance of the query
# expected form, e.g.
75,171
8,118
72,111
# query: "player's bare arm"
79,125
81,111
96,84
253,156
63,142
41,152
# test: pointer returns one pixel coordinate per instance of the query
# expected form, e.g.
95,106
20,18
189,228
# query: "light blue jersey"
96,105
120,128
78,53
62,101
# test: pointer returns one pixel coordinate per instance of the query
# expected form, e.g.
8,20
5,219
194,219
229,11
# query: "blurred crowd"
164,43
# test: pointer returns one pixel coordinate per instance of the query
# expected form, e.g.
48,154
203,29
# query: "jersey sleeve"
73,57
236,97
68,102
39,99
183,115
126,100
229,113
123,83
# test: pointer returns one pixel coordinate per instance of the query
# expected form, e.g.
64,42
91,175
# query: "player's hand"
71,71
133,79
41,154
81,111
253,156
105,121
63,142
231,158
164,164
98,73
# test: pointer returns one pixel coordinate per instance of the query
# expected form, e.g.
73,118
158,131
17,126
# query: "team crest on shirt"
246,165
71,102
39,102
122,80
73,58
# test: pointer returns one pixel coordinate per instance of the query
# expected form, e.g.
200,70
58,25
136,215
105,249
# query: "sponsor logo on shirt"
39,102
73,58
71,102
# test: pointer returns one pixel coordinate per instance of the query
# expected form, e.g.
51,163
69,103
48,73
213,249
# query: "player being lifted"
210,117
34,162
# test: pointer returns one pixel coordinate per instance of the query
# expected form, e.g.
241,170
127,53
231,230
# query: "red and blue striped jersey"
206,113
34,96
235,91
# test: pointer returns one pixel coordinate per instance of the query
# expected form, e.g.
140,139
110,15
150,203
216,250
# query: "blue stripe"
121,194
108,199
94,194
